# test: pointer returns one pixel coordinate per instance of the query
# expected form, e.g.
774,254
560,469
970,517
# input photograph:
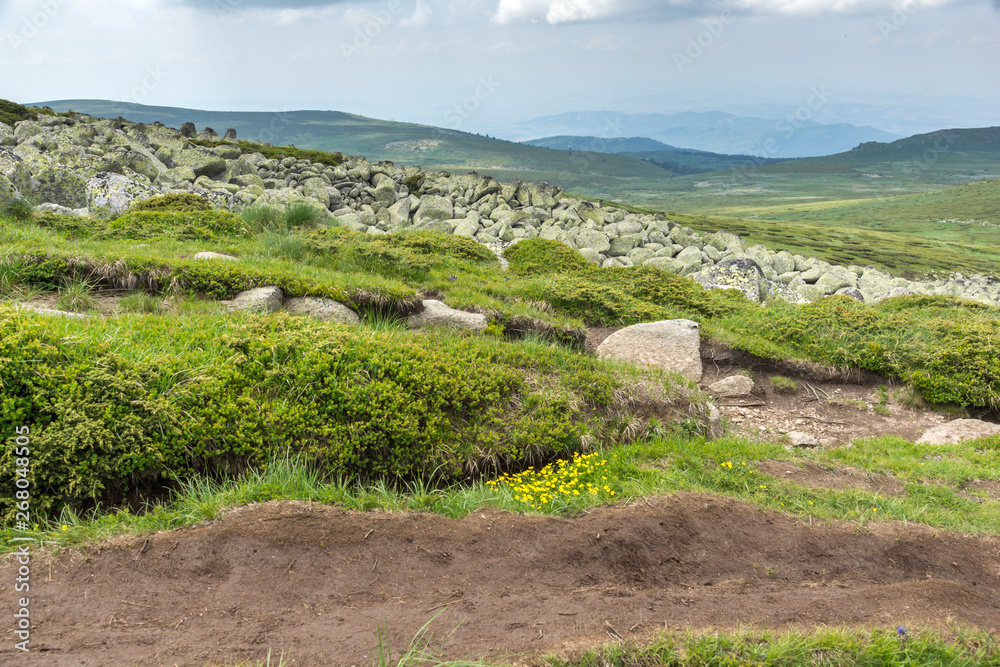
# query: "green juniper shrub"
536,256
176,202
184,226
359,403
11,113
17,209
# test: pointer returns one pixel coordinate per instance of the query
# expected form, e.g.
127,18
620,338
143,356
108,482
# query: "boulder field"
76,164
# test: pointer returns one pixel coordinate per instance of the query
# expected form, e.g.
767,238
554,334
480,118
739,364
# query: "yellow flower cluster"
558,482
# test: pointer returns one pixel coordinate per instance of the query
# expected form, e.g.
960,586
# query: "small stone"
800,439
213,255
958,430
323,309
436,313
734,385
262,299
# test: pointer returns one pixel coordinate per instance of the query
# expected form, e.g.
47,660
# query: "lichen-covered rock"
741,273
112,194
323,309
673,345
7,135
852,292
201,161
958,430
594,240
261,299
436,313
434,207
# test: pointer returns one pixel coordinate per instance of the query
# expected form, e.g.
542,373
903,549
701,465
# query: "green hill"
593,173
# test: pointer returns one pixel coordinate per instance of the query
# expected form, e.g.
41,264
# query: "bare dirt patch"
810,473
319,581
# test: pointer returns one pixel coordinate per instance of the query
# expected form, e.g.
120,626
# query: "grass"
783,385
77,297
839,647
141,302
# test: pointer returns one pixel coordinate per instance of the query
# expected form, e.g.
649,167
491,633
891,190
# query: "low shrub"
537,256
184,226
213,396
783,385
176,202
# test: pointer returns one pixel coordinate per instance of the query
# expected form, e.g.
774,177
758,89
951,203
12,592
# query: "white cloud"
421,15
573,11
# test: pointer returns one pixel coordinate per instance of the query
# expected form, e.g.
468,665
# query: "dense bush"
536,256
11,112
172,398
944,347
177,202
184,226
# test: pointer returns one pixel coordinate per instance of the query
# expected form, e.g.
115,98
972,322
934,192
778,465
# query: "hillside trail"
319,583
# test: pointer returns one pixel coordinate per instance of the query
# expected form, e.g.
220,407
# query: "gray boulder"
673,345
261,299
800,439
958,430
741,273
438,314
434,207
323,309
112,194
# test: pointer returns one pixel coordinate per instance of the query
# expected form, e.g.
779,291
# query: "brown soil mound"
319,581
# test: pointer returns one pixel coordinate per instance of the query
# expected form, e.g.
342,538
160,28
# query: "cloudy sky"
481,65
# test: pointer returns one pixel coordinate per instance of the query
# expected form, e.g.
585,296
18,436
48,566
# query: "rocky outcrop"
55,159
673,345
958,430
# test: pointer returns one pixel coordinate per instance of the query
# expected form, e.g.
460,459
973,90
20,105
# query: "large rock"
741,273
112,194
438,314
958,430
201,161
323,309
673,345
734,385
595,240
7,135
261,299
434,207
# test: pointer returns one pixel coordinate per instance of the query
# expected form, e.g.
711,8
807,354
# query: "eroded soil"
319,581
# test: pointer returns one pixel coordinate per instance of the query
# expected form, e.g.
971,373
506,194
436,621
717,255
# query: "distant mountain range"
713,131
602,145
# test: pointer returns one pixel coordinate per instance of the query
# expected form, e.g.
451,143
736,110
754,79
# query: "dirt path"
320,581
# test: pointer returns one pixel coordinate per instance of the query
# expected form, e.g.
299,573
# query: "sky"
483,65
